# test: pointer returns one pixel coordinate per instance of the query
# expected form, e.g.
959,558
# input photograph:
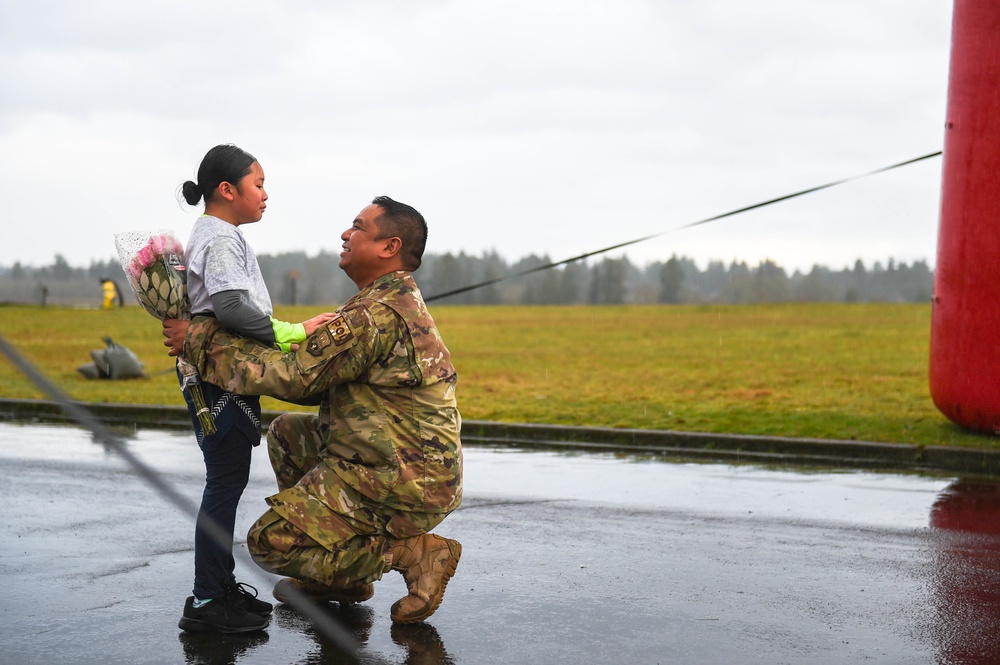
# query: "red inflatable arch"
965,327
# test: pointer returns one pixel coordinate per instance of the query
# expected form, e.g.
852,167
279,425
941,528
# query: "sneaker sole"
197,626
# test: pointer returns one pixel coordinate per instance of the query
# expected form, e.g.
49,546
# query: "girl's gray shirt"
219,259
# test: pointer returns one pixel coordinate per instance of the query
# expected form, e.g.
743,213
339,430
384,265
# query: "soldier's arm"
339,351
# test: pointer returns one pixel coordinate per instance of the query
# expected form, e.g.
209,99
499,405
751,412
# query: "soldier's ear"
391,247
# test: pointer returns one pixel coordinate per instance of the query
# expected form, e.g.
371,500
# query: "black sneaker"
240,595
219,616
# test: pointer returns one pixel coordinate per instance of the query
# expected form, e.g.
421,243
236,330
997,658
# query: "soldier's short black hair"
402,221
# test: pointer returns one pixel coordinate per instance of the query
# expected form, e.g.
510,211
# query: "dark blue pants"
227,456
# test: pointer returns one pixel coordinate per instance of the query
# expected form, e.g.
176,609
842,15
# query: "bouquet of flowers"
154,266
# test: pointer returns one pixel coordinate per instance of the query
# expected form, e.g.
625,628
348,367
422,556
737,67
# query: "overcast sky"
545,127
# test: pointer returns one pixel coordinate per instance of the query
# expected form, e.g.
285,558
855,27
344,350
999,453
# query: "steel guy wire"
731,213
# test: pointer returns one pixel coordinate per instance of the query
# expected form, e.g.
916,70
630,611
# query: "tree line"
295,278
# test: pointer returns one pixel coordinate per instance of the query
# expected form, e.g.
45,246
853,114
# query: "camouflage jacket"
386,388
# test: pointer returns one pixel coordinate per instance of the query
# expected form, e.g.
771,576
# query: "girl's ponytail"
191,193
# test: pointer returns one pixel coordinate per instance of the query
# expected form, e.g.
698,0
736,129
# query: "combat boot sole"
284,590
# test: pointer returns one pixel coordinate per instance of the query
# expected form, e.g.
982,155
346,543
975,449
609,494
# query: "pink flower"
174,246
164,244
135,267
145,256
156,244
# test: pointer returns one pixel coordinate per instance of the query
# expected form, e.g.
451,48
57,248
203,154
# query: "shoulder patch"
339,329
336,332
319,341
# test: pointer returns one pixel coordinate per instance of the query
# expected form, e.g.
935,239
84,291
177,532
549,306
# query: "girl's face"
249,196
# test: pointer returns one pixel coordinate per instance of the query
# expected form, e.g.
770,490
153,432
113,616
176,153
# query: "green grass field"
833,371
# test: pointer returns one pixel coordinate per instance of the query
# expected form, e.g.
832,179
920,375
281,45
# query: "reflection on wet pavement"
357,619
215,649
420,642
967,571
568,557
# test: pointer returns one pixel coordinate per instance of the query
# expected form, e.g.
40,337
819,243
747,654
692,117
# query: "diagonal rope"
323,622
731,213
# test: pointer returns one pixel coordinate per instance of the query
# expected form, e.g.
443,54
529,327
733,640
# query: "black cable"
731,213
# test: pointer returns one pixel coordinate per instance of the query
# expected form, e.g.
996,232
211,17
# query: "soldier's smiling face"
360,257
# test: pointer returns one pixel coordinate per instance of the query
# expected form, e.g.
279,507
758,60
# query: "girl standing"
224,281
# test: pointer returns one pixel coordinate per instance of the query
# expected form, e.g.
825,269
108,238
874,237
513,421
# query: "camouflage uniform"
381,461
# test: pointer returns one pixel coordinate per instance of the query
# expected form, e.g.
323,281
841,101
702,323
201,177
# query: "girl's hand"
313,324
175,330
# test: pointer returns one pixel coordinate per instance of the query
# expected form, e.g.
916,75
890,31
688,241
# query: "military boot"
320,593
427,563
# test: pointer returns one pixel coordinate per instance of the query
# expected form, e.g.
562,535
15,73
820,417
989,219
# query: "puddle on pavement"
961,516
849,497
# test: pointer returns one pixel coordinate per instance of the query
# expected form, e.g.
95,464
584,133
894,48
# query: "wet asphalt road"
568,558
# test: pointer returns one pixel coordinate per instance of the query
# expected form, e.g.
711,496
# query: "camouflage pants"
340,539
